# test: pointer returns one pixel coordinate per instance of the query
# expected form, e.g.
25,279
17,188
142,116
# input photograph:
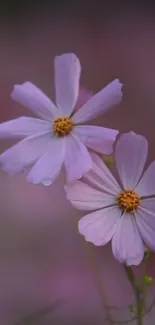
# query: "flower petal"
96,138
146,185
99,227
100,176
98,161
25,153
84,197
23,126
108,97
77,159
49,165
131,154
145,218
67,75
127,244
32,97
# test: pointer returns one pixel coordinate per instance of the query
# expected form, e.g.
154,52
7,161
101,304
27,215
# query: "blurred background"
43,260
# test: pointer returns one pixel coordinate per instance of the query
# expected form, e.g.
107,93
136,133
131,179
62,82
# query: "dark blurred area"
42,257
25,8
98,8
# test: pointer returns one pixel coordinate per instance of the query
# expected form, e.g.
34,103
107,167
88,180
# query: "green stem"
140,304
130,275
138,293
90,253
142,284
91,257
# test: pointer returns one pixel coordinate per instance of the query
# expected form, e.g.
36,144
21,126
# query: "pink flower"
124,213
57,136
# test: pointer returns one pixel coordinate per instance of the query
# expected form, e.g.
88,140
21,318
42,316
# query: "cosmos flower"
125,213
58,137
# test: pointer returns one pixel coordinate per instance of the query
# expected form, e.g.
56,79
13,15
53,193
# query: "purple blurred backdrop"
43,260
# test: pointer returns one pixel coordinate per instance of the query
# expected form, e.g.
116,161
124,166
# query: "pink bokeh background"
43,259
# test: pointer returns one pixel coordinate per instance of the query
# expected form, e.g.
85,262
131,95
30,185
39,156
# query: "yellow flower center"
128,200
62,126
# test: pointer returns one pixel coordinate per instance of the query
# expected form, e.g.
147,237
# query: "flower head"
58,137
124,213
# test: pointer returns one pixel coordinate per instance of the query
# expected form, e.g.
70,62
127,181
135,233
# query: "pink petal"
98,161
100,176
108,97
146,186
23,126
131,154
25,153
96,138
84,197
32,97
67,75
145,218
49,165
99,227
127,244
77,160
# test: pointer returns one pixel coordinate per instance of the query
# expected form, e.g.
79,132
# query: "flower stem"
130,275
98,279
140,304
138,293
91,257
